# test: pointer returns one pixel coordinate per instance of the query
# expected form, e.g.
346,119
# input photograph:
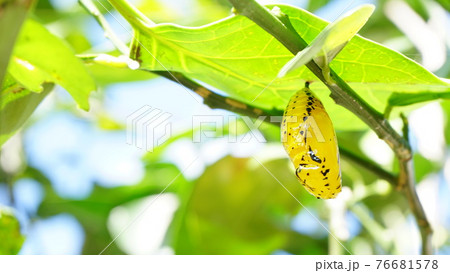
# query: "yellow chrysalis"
309,139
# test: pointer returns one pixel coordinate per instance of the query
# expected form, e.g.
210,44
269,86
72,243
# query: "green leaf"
331,40
403,99
316,4
236,207
10,237
16,105
237,56
445,4
12,15
446,107
41,57
424,167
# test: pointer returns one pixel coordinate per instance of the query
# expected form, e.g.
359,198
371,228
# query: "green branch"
377,231
369,165
407,184
133,16
216,101
91,8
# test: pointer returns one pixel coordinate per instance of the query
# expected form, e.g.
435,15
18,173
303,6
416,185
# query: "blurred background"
77,187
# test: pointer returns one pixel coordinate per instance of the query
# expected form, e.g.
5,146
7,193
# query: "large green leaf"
16,106
12,15
236,207
41,57
331,40
238,57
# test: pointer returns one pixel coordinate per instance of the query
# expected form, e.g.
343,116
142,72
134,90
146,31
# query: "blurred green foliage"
234,208
10,237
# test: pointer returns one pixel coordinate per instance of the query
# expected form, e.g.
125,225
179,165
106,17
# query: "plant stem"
376,230
407,184
369,165
407,172
91,8
133,16
216,101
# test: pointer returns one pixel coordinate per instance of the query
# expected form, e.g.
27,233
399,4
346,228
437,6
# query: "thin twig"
419,214
369,165
408,185
91,8
136,18
216,101
376,230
